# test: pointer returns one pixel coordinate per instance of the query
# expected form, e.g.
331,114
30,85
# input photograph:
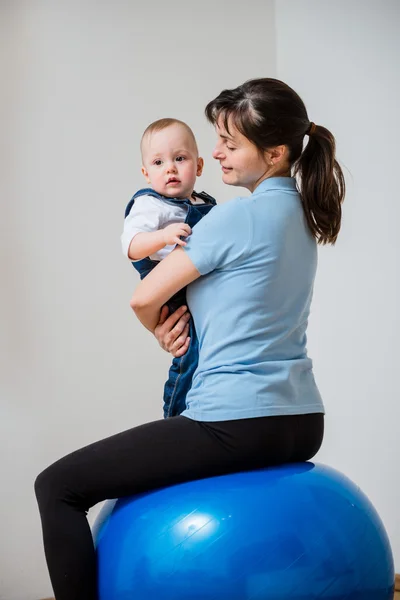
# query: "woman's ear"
200,165
278,154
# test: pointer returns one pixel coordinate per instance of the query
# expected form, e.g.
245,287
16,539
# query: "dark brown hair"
269,113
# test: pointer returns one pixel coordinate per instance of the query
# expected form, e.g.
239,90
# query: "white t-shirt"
151,214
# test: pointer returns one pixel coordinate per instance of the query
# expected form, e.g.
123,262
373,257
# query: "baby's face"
171,162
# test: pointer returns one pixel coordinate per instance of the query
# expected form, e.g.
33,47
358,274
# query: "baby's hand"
172,234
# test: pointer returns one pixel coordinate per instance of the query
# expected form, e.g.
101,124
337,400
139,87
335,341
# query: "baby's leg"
180,377
181,371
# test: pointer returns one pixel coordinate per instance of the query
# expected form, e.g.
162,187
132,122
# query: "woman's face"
241,162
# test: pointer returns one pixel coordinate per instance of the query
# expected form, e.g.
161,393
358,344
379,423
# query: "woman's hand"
172,332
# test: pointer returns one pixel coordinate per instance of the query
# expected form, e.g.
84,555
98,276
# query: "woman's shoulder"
230,207
232,215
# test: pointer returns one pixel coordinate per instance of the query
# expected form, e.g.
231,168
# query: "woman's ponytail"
322,185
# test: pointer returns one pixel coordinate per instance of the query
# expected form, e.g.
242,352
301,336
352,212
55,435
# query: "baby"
158,218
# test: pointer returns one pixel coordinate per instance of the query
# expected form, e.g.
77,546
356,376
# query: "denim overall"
182,369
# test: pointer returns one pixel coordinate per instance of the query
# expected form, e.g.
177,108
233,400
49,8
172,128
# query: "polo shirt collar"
276,183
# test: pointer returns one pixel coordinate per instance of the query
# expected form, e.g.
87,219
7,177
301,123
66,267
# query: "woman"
251,265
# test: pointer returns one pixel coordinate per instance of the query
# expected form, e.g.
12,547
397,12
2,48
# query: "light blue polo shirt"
258,261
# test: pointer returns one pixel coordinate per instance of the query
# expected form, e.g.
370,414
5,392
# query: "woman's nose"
217,153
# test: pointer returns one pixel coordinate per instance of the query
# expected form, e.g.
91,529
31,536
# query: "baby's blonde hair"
163,124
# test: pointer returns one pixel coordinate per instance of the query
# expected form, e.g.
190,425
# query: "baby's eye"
230,148
157,162
180,158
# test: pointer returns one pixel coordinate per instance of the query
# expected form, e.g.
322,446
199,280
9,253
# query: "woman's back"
251,307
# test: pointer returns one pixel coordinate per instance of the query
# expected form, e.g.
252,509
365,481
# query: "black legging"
147,457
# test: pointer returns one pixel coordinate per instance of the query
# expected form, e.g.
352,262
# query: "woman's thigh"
174,450
152,455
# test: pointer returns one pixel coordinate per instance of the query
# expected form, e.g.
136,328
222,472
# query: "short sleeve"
221,238
146,215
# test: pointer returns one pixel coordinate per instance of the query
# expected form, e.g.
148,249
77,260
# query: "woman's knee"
45,484
52,483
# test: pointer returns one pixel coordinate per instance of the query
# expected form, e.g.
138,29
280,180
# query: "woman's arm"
167,278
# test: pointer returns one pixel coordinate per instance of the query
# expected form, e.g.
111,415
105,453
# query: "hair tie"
311,129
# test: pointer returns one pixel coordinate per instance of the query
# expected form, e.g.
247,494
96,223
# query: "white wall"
82,80
342,58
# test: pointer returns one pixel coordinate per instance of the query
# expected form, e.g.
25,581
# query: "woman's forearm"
172,274
148,314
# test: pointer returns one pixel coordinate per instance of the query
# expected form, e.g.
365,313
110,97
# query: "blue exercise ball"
298,532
